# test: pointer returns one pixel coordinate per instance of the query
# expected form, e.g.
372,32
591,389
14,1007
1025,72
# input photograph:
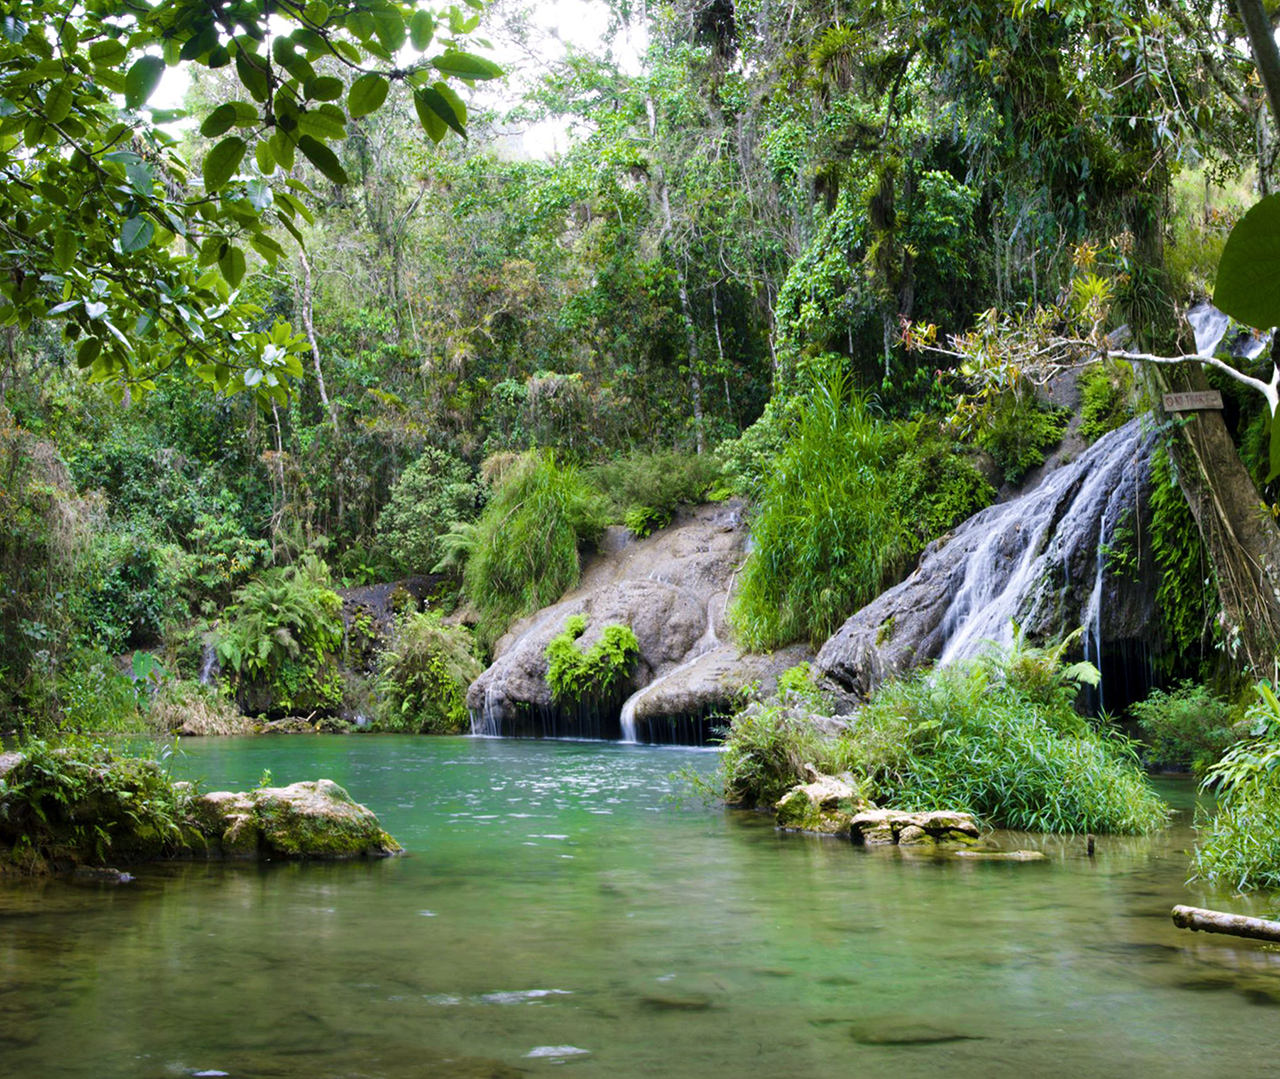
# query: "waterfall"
701,647
209,668
1050,560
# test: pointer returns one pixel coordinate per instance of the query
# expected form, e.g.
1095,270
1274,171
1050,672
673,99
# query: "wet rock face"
671,589
1071,552
303,820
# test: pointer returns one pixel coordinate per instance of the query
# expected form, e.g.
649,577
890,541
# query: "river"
557,910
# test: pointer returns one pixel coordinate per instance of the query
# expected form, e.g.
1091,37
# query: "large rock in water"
1073,551
672,590
302,820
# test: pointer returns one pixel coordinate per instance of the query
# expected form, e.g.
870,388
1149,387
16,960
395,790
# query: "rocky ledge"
834,805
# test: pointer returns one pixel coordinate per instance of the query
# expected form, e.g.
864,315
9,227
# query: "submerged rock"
671,589
303,820
1040,559
928,828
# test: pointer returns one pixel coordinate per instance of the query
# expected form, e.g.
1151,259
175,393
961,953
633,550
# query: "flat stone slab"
1003,855
921,828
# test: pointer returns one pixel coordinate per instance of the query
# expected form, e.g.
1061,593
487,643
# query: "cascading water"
705,643
208,665
1041,560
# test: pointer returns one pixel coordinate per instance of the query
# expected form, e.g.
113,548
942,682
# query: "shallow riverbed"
556,909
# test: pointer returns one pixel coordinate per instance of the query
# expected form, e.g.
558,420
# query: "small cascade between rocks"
627,718
1066,554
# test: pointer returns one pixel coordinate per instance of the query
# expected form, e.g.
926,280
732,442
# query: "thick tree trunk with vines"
1236,527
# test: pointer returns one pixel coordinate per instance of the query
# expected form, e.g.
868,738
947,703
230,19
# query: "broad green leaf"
464,65
221,162
88,351
259,192
316,12
428,117
252,71
321,125
446,105
323,159
135,234
13,28
266,160
367,94
282,150
140,177
65,245
141,80
232,265
422,28
219,122
1248,284
388,24
205,41
59,101
95,309
325,88
107,53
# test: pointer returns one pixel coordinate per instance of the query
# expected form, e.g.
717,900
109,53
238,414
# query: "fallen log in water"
1197,919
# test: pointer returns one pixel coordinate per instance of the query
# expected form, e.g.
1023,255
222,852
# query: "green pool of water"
556,910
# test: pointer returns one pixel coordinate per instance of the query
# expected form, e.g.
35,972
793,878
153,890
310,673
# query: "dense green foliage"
1186,728
423,675
998,738
524,548
76,801
280,639
827,539
1017,429
432,494
577,676
644,489
1106,398
1240,844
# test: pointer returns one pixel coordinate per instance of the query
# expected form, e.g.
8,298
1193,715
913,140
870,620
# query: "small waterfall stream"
704,644
1063,555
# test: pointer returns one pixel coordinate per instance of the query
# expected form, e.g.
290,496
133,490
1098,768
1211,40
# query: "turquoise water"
555,910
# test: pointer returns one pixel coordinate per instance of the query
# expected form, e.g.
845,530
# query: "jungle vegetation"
333,322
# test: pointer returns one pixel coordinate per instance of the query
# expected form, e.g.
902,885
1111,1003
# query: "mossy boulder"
303,820
825,805
928,829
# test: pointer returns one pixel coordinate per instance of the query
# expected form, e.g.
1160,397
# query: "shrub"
827,537
1106,398
746,462
1240,844
577,676
423,677
765,751
281,637
432,493
933,485
1188,728
646,488
963,738
523,553
1016,429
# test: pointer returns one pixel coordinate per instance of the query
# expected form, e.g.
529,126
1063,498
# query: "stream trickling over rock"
1071,552
555,909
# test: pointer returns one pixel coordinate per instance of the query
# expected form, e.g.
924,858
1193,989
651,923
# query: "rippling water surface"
556,910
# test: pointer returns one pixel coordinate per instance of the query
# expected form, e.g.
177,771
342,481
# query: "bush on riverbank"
423,677
1187,728
645,489
996,738
1240,843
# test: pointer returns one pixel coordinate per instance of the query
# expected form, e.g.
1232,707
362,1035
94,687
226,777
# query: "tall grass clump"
423,677
1240,843
827,537
523,551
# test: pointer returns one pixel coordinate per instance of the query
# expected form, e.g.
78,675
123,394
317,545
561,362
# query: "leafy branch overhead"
106,228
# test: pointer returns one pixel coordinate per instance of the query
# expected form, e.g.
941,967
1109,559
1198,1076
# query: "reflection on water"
555,911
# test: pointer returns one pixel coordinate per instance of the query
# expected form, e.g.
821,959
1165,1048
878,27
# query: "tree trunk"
1197,919
1236,527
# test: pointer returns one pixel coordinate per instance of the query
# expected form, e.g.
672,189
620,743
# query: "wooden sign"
1192,402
